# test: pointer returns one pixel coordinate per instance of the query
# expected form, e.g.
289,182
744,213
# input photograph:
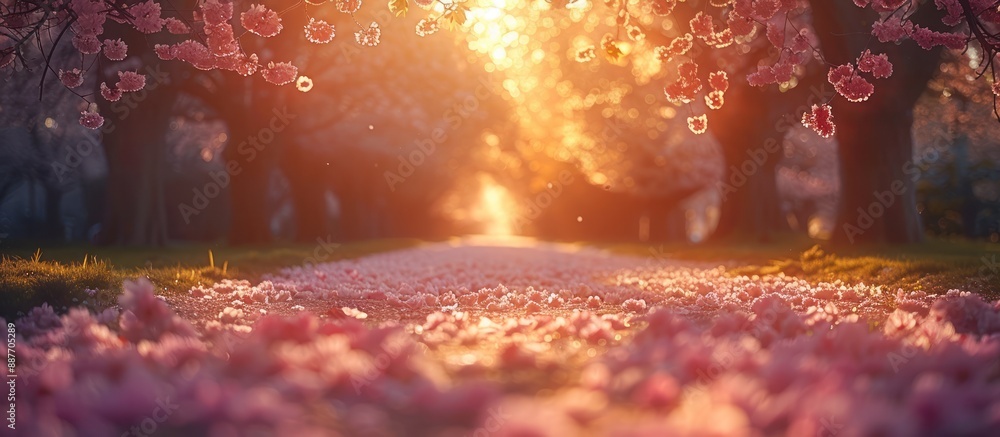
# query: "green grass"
934,266
59,276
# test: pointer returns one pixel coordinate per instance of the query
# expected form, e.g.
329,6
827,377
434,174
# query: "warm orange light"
495,209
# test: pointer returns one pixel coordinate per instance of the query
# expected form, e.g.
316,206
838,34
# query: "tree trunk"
249,189
134,138
135,213
308,189
878,185
256,139
875,137
54,228
751,148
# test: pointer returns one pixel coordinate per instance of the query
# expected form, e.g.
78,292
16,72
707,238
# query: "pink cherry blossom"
319,31
740,25
115,50
87,44
91,120
715,100
348,6
662,8
702,26
194,53
427,27
892,29
220,39
146,16
261,21
719,81
280,73
145,317
176,27
839,73
878,65
928,39
698,124
763,76
109,94
89,23
238,62
820,119
72,78
130,81
855,88
165,52
216,12
370,36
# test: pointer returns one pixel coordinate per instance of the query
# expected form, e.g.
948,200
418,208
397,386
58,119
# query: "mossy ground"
934,266
61,276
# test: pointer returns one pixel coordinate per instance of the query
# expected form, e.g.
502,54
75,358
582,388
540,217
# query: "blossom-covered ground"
468,339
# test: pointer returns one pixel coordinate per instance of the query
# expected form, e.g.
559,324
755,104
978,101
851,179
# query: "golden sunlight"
493,31
495,208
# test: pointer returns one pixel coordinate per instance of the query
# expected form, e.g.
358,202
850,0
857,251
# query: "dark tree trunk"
878,192
53,218
249,189
135,212
308,189
134,138
352,222
875,137
257,137
747,131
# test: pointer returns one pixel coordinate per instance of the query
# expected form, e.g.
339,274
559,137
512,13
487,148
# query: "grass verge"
935,266
70,275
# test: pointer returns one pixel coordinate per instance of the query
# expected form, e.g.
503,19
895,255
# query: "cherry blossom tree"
877,55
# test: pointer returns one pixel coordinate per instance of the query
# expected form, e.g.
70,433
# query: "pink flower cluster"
262,21
820,120
213,47
319,32
679,46
849,83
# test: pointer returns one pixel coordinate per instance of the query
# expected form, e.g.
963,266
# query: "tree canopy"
774,38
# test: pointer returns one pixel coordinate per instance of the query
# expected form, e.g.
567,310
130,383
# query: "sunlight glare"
495,208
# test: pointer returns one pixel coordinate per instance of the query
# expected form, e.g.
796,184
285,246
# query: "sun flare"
495,208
